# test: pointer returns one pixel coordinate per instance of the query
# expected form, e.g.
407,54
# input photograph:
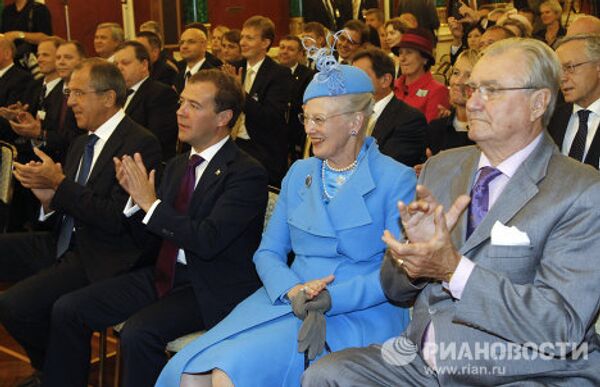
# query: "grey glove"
312,334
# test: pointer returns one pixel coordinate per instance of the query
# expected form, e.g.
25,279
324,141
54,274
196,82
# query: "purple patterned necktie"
480,198
165,263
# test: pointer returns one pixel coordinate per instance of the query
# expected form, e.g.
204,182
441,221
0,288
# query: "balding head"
586,24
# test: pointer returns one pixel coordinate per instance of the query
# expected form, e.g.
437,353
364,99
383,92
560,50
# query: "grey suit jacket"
548,292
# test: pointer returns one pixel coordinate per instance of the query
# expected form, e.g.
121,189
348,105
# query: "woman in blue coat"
331,212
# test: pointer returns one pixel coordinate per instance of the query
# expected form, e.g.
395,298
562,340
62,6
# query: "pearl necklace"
343,169
340,180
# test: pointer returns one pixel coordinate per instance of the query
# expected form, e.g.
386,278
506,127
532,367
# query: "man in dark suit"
13,82
90,242
574,125
400,129
262,131
207,218
41,99
149,103
162,69
192,47
291,53
325,12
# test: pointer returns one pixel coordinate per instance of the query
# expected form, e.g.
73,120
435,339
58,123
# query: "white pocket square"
508,236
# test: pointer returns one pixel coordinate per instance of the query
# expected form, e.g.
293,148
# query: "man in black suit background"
13,82
325,12
400,130
42,99
574,125
90,242
149,103
192,47
262,131
291,53
162,70
207,217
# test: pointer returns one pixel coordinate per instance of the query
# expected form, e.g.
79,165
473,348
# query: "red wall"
86,14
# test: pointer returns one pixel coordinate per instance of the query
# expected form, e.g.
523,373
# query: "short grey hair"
362,103
541,63
105,76
116,31
592,44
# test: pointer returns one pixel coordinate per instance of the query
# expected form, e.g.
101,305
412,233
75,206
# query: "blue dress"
256,344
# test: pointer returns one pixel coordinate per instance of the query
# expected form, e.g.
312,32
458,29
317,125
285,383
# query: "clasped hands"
135,180
42,177
428,251
21,121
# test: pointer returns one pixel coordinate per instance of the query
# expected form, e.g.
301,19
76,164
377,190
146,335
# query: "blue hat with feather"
334,79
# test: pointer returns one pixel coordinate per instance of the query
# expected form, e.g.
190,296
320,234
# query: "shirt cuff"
43,216
130,208
460,277
150,212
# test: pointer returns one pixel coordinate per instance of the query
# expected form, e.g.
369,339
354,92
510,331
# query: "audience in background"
107,38
291,55
550,14
585,24
398,128
452,131
574,125
416,85
192,48
494,34
262,131
162,69
149,103
231,51
215,40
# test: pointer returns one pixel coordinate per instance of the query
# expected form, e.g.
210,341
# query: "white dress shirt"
135,89
251,72
573,126
103,132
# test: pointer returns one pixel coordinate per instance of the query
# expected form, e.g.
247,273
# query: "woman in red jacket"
416,86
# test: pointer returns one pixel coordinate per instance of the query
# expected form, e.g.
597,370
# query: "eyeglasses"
318,119
572,67
488,92
80,93
347,39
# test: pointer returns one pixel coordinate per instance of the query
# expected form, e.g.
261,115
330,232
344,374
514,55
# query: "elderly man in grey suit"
506,285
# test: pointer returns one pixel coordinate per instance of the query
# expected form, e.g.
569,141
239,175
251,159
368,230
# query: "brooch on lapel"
308,181
255,97
217,172
422,93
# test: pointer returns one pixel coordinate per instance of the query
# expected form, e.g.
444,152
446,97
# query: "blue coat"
256,344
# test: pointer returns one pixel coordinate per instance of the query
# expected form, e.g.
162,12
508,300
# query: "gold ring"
400,261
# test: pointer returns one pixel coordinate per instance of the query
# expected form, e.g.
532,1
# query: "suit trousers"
25,254
356,367
26,306
151,324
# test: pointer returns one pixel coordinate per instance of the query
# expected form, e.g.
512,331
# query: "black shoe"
33,380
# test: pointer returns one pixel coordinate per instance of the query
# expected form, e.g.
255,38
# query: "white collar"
196,67
594,107
51,85
210,152
4,70
256,66
382,103
105,130
137,85
294,67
